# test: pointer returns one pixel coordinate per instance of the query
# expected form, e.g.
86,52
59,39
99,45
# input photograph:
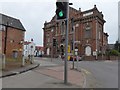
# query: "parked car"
75,58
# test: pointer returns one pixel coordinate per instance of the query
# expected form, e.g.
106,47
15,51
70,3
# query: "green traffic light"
61,13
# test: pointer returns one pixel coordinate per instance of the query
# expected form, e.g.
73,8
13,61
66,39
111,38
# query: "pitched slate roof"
11,22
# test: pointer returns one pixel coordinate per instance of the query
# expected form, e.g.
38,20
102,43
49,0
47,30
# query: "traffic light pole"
62,12
66,45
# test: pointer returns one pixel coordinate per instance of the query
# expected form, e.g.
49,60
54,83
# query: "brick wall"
91,58
14,37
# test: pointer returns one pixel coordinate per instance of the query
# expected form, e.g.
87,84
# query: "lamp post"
51,44
5,45
73,29
23,58
31,59
74,41
96,39
32,51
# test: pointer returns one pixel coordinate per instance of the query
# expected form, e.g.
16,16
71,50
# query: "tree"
117,46
114,53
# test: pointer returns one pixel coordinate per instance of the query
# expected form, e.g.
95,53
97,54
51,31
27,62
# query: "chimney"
31,39
80,9
94,6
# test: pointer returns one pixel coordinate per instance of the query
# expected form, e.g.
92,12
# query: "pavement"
75,77
17,70
50,69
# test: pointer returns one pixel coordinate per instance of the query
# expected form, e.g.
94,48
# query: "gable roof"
26,43
11,22
78,12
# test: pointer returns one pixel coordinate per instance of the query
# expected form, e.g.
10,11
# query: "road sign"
76,53
76,41
76,50
94,53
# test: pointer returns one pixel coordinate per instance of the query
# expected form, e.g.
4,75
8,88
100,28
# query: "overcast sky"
33,14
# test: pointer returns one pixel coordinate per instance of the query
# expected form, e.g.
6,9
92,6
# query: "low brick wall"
114,58
119,58
91,58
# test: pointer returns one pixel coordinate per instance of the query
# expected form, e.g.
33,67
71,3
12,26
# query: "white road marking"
85,71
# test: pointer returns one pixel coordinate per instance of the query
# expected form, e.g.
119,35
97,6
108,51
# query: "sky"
33,14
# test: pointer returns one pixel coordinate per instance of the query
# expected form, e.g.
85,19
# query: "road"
36,79
100,74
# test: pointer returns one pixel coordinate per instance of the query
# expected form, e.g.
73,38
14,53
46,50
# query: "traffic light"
61,10
54,42
62,49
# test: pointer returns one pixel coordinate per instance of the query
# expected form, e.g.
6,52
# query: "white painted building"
39,51
119,21
29,49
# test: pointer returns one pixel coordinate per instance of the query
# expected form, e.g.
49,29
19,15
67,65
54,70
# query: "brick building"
11,32
89,33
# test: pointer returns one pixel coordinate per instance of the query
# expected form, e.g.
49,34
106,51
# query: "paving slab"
74,76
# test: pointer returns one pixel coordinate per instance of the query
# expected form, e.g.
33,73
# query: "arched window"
87,31
88,51
48,51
